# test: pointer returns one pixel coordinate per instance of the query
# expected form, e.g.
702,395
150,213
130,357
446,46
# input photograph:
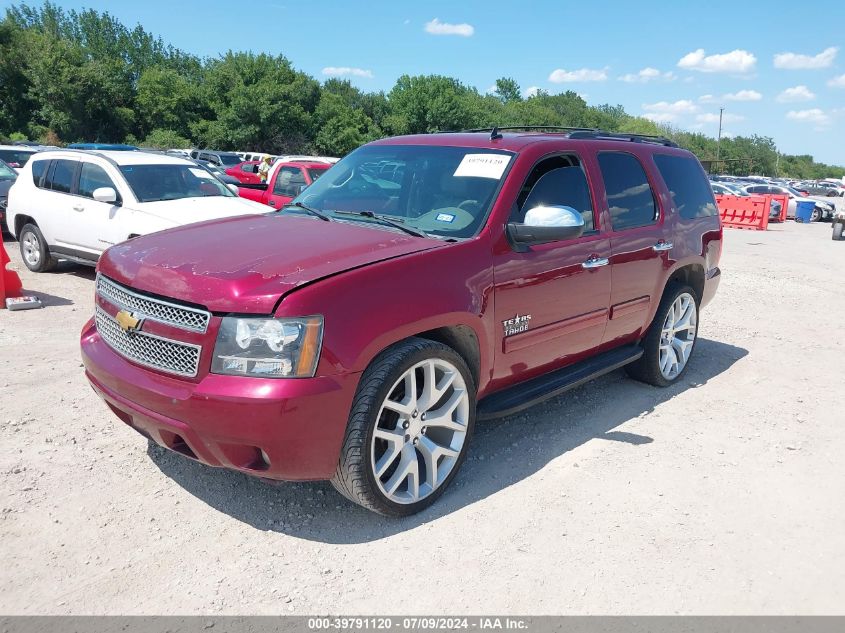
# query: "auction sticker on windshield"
483,165
200,173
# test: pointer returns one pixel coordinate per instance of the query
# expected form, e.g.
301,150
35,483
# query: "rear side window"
61,176
93,177
685,180
629,195
38,169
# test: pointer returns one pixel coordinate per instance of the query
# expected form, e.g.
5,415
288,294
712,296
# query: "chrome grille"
182,317
159,353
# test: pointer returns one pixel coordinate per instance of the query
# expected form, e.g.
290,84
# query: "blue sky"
778,68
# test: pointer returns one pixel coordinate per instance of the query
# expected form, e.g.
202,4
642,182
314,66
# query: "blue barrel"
804,211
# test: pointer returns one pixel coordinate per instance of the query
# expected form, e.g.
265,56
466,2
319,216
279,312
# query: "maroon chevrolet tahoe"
422,283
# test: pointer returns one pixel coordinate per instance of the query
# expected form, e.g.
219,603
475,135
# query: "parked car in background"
728,189
358,334
109,147
823,210
218,172
16,156
285,182
223,159
7,179
246,172
74,204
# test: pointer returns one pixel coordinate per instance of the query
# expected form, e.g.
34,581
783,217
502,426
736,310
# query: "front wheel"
817,215
409,428
670,340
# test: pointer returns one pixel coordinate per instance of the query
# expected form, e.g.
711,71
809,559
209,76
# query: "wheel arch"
463,340
691,274
21,221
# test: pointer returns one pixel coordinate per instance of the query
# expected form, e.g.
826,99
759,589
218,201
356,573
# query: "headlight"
268,348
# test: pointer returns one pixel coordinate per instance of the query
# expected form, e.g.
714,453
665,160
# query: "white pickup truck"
74,204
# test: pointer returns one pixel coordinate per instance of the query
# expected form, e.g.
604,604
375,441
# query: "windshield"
6,172
151,183
795,192
230,159
15,157
445,191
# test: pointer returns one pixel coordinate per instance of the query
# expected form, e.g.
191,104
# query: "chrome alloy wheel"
420,431
678,336
31,249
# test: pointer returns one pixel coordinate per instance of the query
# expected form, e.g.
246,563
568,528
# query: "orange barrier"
744,212
784,205
10,283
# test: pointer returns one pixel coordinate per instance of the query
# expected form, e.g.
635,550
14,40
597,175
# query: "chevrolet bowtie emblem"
128,322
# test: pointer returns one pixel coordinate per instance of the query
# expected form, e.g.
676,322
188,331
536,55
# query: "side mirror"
105,194
234,189
546,224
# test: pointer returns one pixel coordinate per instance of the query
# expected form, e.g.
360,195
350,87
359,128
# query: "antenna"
494,134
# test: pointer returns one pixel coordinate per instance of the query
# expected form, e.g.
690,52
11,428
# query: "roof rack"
86,152
579,133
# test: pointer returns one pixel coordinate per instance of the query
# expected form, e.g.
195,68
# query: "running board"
527,394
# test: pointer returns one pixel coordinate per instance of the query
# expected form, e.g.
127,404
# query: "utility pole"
719,138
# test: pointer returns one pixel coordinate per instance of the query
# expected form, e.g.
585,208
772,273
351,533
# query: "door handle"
662,246
272,203
78,208
595,262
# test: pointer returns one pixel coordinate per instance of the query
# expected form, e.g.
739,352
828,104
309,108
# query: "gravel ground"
723,494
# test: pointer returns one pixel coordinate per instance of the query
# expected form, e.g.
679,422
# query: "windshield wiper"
311,210
384,219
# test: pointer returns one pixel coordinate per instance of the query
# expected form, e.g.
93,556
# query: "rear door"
638,241
56,216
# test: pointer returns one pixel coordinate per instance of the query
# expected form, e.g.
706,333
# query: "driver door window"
289,182
93,177
558,181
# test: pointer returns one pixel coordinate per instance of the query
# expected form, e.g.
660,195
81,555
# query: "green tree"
507,90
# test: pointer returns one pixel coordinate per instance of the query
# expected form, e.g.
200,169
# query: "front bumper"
289,429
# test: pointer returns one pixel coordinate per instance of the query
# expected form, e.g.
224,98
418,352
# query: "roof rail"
85,152
622,136
580,133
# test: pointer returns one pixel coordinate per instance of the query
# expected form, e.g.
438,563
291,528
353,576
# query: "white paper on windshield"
483,165
200,173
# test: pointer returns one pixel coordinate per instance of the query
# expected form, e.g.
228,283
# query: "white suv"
74,204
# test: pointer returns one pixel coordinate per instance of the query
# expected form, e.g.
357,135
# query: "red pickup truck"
420,284
285,182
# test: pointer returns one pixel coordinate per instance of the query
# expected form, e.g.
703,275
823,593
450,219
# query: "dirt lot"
723,494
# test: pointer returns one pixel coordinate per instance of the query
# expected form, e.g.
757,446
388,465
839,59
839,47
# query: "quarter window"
687,184
61,176
38,169
93,177
629,195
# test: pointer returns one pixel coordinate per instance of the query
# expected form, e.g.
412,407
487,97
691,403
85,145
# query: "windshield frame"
482,220
225,191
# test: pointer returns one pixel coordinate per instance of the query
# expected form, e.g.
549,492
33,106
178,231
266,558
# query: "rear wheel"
670,340
409,428
36,256
817,215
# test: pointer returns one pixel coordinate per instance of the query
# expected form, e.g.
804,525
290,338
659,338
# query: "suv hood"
188,210
245,264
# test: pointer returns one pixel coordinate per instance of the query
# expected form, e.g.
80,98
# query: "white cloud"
837,82
707,99
344,71
798,93
531,91
814,115
794,61
743,95
436,27
684,106
738,61
710,117
560,75
646,75
660,117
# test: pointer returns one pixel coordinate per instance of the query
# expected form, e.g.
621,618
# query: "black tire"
837,230
817,215
30,234
354,478
647,368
